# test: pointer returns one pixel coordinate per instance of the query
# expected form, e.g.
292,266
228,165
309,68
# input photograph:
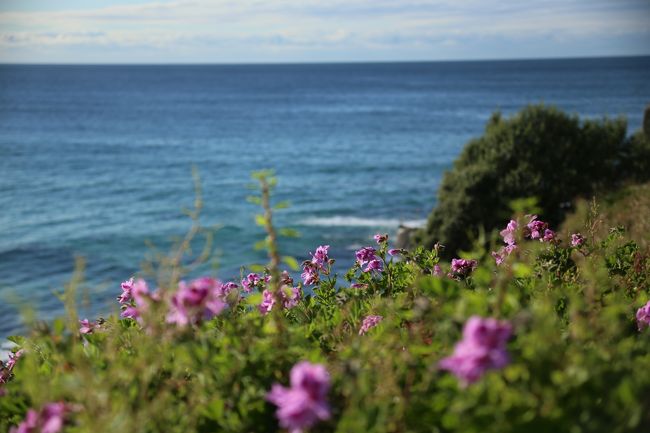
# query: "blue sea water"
96,160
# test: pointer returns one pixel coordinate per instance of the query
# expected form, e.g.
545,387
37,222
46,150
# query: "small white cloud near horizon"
229,31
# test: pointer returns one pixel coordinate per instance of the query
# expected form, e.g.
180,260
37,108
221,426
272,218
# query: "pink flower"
250,282
196,301
380,239
369,322
49,420
305,402
504,252
395,251
437,271
139,301
320,258
309,273
643,316
549,235
462,267
509,232
482,348
537,229
87,327
126,286
13,358
359,286
268,301
577,240
365,254
374,265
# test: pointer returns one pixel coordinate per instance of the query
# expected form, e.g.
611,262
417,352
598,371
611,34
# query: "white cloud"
362,24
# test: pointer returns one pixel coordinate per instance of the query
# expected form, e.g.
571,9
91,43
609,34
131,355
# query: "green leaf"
282,205
289,233
260,245
291,262
260,220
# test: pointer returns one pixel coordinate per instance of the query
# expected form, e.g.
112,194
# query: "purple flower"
536,228
223,290
643,316
504,252
369,322
359,286
13,357
549,235
250,282
508,234
320,257
365,254
374,265
87,327
482,348
139,299
577,240
127,287
196,301
462,267
395,251
380,239
268,300
305,402
49,420
437,271
309,273
290,296
286,279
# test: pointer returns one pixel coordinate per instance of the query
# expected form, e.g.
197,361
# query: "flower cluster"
461,268
536,229
136,298
367,256
483,347
643,316
87,327
202,298
50,419
369,322
290,297
319,263
305,402
577,240
253,280
509,238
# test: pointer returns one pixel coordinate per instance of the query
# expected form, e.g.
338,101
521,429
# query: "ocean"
96,161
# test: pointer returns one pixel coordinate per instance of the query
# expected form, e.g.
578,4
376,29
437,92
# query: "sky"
272,31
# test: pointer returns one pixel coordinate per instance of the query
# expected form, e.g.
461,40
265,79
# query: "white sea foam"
352,221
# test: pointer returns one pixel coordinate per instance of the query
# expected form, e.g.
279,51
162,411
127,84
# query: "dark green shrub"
540,152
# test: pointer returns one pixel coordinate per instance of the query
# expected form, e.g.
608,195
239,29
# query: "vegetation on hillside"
540,152
554,337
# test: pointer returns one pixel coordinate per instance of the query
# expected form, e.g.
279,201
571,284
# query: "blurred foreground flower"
305,402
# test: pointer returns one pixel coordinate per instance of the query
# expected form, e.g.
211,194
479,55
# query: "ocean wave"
352,221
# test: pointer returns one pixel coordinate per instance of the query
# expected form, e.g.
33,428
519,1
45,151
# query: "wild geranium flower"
139,301
437,270
508,234
126,286
395,251
462,267
304,403
87,327
536,229
369,322
321,258
310,273
367,256
223,289
482,348
268,301
380,239
251,281
196,301
49,419
549,235
643,316
500,256
359,286
577,240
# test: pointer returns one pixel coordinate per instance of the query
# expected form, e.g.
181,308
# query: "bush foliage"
539,152
570,354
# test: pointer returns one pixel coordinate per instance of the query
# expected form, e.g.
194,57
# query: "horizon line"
328,62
